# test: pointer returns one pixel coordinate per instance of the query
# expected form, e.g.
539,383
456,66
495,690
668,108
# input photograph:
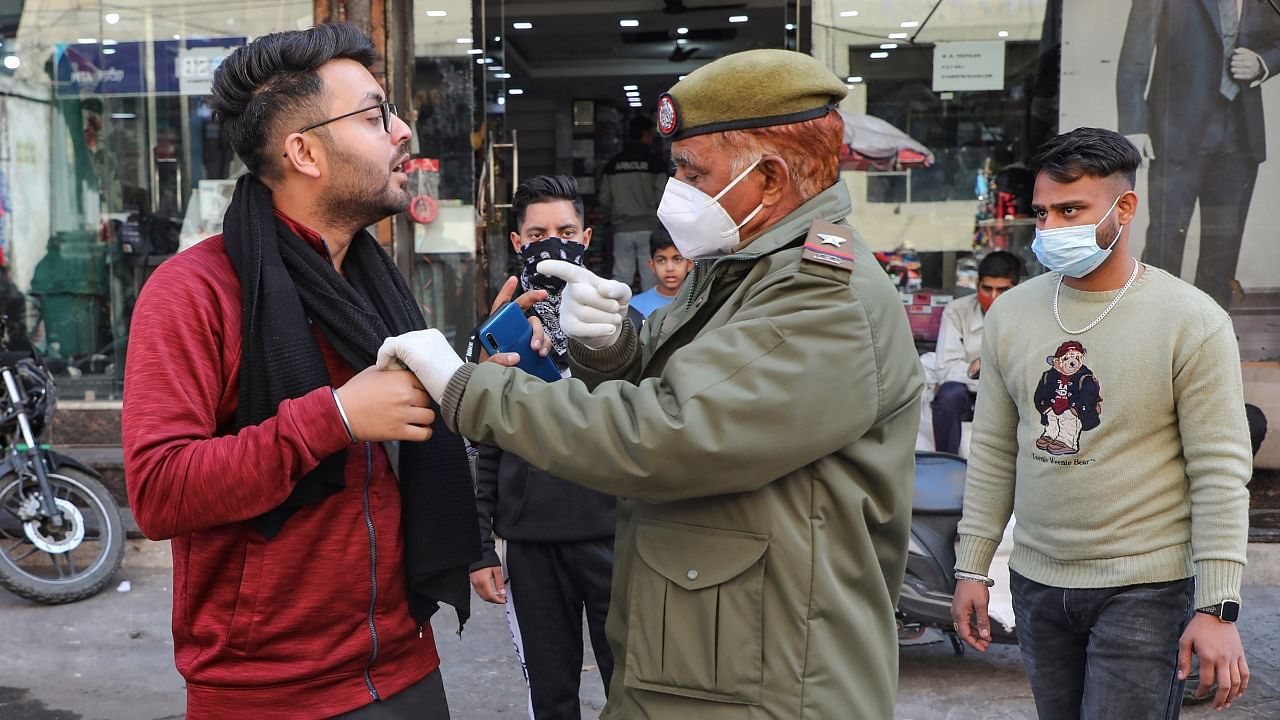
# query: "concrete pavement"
111,658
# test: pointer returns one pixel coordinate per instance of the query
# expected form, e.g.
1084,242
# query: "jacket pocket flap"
694,557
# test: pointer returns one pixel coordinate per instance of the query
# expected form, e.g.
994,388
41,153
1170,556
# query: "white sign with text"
968,66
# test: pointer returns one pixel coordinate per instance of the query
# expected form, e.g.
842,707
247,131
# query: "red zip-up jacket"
313,622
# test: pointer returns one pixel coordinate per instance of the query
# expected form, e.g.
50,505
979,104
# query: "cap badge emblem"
668,116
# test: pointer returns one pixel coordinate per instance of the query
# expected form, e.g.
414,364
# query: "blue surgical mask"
1073,250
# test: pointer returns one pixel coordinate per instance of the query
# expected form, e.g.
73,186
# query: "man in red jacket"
257,435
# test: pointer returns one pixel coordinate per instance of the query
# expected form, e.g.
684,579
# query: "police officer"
760,431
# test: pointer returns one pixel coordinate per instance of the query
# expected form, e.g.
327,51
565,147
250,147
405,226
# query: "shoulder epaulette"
826,245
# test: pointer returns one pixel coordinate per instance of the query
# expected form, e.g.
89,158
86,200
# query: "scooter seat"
939,483
11,357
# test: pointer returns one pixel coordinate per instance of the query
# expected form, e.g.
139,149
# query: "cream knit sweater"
1123,451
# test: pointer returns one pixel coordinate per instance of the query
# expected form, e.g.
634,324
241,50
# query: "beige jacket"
761,434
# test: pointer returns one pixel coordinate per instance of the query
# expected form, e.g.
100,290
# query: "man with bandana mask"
760,431
558,536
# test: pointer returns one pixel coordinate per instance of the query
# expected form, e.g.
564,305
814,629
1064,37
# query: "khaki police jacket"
760,436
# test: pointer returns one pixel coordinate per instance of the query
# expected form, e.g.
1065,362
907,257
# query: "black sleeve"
487,464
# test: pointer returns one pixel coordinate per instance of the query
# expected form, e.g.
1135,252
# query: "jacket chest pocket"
695,625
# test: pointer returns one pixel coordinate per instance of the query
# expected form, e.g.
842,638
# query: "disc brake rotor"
68,536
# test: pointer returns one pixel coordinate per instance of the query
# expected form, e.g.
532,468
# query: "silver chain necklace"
1133,275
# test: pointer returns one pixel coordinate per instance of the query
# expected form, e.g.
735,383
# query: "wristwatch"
1226,611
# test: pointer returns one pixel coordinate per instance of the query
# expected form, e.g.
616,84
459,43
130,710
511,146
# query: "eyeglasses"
388,111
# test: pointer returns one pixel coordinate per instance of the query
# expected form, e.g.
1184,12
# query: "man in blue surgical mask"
1111,417
759,430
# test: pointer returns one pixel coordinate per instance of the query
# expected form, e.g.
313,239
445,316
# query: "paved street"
110,658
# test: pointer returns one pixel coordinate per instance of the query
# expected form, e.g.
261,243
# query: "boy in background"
669,266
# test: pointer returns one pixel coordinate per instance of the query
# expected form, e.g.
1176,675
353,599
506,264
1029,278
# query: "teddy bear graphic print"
1069,400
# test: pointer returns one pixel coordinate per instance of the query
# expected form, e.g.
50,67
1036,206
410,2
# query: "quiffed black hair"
1088,151
545,188
659,240
273,79
1001,264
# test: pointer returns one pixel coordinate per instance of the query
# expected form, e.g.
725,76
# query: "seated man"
669,266
960,348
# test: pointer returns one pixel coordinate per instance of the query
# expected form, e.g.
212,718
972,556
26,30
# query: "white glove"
427,353
591,308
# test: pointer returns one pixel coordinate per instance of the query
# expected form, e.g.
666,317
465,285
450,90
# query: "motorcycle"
61,535
930,584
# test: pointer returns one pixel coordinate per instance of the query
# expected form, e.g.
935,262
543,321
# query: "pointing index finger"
567,271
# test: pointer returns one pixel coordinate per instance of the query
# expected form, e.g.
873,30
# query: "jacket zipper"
693,286
699,276
373,570
695,290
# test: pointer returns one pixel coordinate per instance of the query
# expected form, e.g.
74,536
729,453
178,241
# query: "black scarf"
285,287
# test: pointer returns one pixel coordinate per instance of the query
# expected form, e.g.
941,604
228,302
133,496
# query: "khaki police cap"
751,89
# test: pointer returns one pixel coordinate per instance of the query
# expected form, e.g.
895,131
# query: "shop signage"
195,68
84,69
968,66
182,67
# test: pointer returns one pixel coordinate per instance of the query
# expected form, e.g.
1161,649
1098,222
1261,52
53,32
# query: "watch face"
1230,611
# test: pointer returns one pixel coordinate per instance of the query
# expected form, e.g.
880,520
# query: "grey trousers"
631,253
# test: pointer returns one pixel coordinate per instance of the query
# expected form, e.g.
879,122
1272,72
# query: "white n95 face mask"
699,225
1073,250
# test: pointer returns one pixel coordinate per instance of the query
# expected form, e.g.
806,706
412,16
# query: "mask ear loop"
729,187
1120,229
1116,239
747,219
738,179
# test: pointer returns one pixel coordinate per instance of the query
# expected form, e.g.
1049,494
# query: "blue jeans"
1103,652
952,405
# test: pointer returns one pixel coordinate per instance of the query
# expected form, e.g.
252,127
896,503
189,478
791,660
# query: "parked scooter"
61,536
930,582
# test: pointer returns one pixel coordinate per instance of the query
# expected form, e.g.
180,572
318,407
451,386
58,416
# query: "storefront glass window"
969,88
571,89
977,85
443,213
112,161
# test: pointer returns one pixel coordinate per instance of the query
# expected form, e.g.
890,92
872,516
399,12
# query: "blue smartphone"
509,331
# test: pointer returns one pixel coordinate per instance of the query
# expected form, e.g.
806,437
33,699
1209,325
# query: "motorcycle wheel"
59,565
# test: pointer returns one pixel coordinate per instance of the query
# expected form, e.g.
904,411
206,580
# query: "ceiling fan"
680,54
677,7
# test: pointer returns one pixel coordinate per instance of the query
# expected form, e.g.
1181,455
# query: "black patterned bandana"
552,248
